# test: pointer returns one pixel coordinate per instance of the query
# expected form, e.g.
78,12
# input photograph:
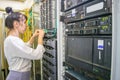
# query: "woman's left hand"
36,33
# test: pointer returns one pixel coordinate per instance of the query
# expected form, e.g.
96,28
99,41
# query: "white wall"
16,5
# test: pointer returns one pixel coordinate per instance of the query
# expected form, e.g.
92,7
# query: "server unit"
102,56
81,55
99,25
71,3
68,4
91,54
102,51
72,75
91,9
98,7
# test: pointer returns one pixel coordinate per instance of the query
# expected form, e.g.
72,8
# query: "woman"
18,53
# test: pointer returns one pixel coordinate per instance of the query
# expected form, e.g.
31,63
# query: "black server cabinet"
102,57
88,29
79,52
102,51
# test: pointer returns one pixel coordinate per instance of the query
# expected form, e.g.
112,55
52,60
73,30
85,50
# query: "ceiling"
16,4
14,0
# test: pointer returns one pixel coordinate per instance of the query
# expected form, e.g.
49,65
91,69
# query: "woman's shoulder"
11,38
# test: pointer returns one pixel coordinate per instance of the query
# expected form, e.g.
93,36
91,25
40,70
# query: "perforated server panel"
48,16
50,60
79,52
48,20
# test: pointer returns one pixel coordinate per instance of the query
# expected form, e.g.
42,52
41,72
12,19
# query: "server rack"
114,38
48,23
91,19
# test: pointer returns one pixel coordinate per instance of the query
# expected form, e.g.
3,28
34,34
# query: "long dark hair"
15,16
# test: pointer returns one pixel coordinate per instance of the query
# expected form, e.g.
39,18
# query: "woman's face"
22,24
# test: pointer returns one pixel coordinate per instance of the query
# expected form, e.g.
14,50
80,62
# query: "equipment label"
100,44
73,12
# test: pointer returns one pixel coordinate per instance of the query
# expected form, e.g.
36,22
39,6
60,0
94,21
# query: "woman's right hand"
41,33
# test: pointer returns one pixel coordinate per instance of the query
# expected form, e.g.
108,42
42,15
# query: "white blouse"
20,54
